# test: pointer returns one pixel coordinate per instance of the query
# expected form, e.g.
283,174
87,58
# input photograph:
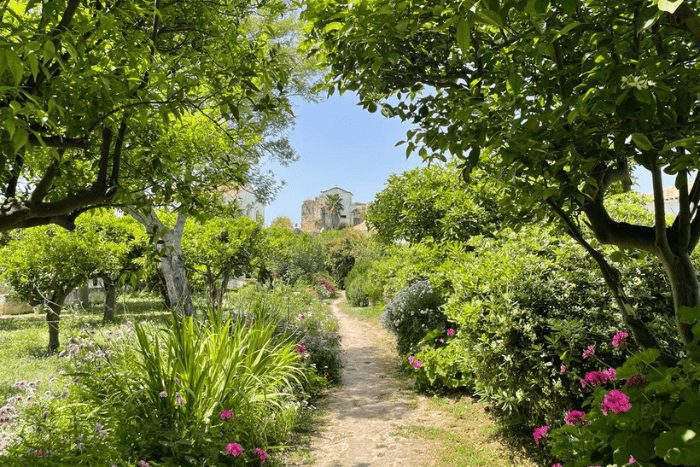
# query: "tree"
85,84
120,244
342,250
561,99
333,206
43,264
220,249
432,203
282,222
292,257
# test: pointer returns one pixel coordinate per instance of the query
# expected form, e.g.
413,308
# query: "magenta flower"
557,465
143,463
562,369
589,352
539,433
619,339
631,460
411,359
616,402
450,332
575,417
234,449
596,378
417,364
226,414
301,349
262,455
163,393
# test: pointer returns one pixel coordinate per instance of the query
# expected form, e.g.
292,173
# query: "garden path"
374,418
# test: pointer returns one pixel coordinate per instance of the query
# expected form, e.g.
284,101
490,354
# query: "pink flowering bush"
646,415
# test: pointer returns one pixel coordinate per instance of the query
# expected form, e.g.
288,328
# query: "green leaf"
463,35
20,138
642,142
669,6
334,26
679,446
489,17
567,29
688,315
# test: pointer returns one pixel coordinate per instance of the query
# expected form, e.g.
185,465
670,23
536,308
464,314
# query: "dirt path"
375,419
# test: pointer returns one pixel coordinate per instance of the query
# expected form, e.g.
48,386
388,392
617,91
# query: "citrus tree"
560,99
83,85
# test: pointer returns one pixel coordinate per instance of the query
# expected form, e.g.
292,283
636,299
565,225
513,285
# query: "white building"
247,201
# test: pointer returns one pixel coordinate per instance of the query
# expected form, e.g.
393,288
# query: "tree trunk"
686,290
84,296
222,290
171,265
53,316
110,300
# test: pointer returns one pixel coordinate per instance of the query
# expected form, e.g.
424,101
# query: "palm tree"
334,208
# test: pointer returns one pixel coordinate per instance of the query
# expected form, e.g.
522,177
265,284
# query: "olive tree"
561,100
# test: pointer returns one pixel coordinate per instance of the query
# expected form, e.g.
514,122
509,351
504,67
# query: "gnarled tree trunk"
171,265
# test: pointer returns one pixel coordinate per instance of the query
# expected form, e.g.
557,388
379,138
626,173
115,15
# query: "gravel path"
369,419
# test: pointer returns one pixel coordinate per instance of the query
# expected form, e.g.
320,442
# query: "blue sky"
340,144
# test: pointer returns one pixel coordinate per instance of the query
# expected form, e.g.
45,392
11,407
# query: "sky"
341,144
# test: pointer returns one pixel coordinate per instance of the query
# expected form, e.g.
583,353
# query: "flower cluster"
575,417
616,402
619,339
539,433
588,352
414,362
226,414
597,378
236,450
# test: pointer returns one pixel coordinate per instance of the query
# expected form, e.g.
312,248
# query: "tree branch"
683,218
42,188
661,237
11,189
686,18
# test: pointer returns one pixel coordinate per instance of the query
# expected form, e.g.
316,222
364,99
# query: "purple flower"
179,399
619,339
575,417
616,402
163,393
539,433
588,352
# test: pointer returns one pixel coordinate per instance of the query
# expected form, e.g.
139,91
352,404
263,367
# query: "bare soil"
374,418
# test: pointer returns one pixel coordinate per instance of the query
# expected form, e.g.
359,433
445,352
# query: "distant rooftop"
336,188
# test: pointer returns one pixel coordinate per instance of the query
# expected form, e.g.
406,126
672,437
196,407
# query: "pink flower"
302,317
619,338
301,349
631,460
417,364
575,417
226,414
143,463
589,352
411,359
39,453
450,332
557,465
539,433
178,398
262,455
595,378
636,381
562,369
234,449
616,402
163,393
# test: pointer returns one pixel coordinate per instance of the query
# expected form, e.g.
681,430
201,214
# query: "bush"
325,287
654,420
412,314
526,305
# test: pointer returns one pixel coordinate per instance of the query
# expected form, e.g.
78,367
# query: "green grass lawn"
24,339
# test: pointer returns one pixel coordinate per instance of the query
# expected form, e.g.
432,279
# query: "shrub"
325,287
654,420
412,314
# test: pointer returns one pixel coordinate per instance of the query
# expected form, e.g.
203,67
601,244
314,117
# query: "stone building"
248,202
316,218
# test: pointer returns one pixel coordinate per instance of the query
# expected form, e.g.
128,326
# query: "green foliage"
219,249
306,320
293,257
137,68
361,285
433,203
661,428
343,248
